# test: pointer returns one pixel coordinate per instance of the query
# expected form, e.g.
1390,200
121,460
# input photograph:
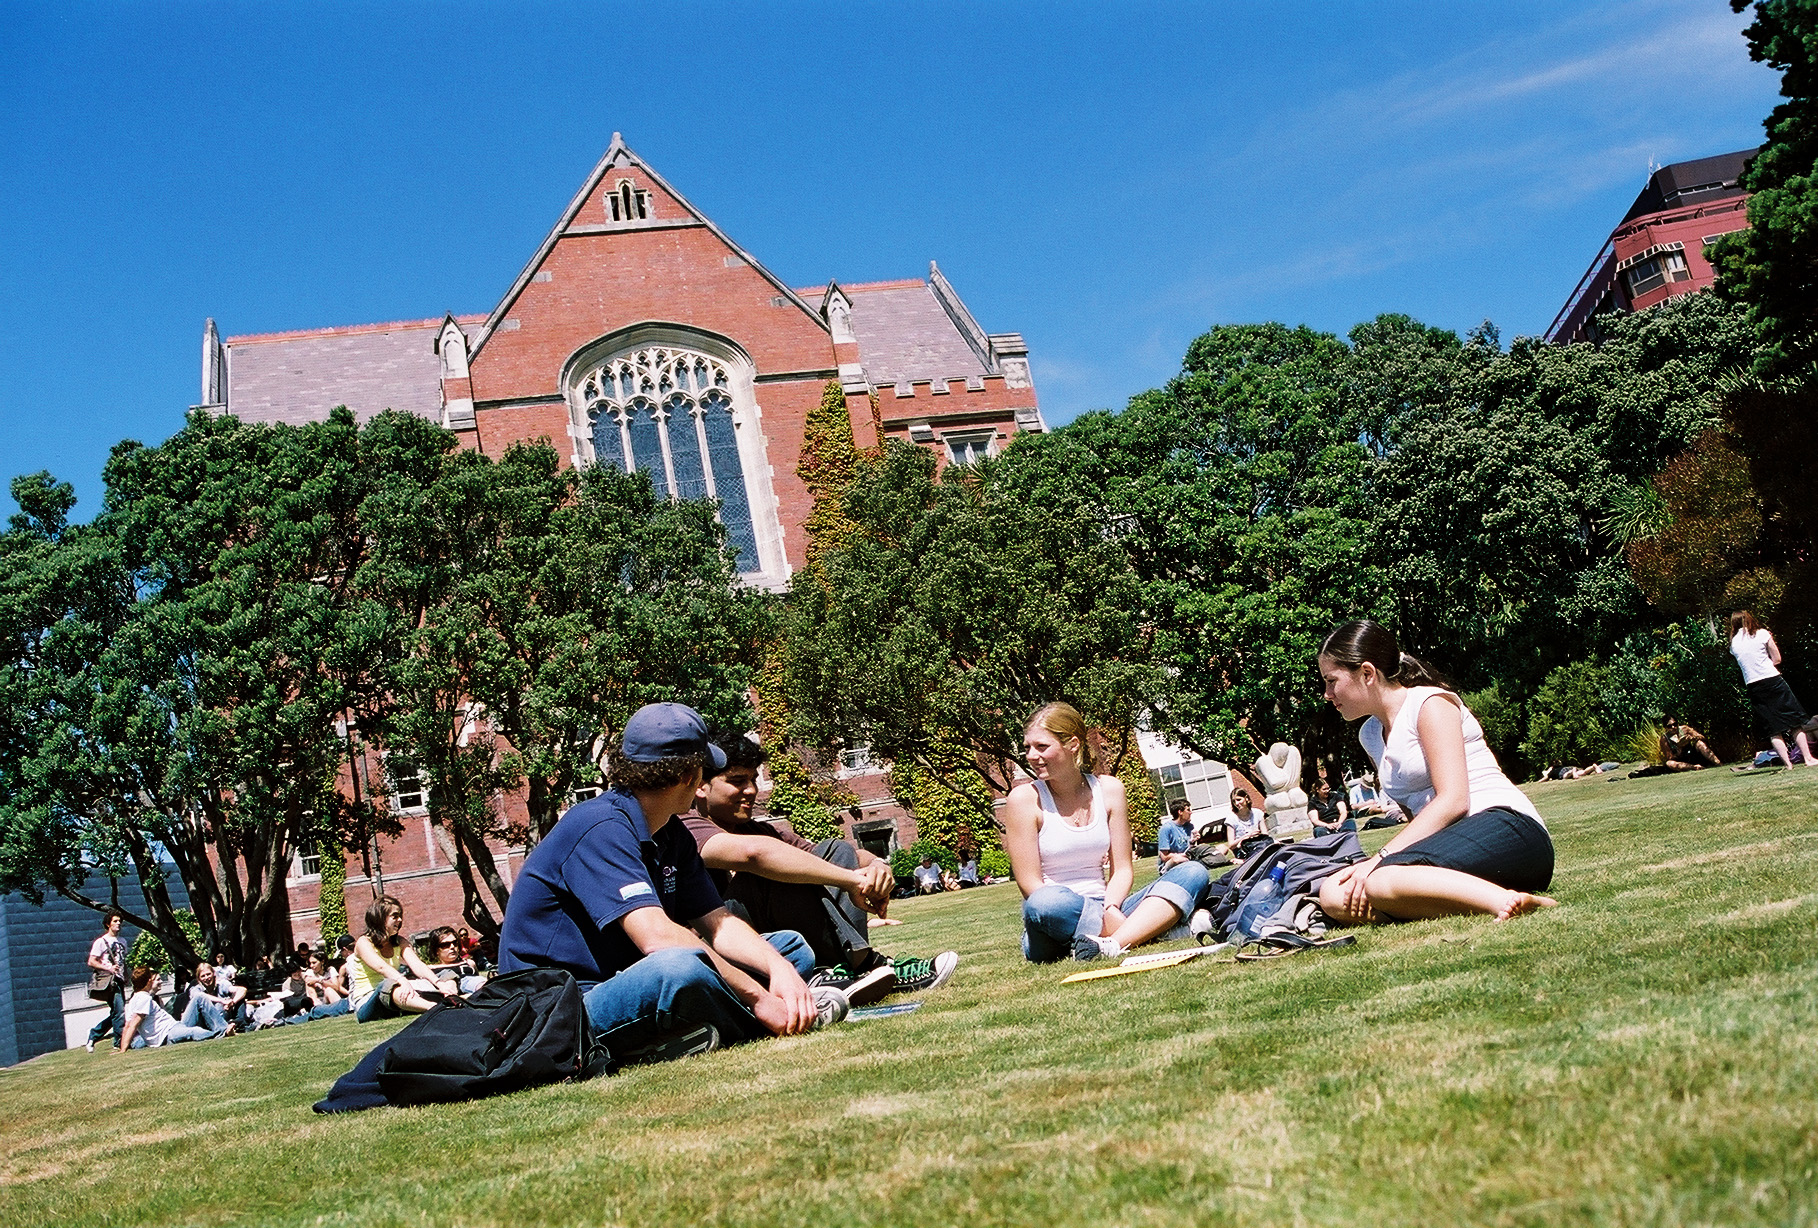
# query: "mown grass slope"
1645,1054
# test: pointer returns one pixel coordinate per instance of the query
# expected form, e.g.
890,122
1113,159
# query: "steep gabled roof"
618,155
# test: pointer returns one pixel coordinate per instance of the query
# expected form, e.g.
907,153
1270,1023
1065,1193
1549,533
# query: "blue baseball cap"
669,731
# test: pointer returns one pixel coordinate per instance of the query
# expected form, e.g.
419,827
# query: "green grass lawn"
1645,1054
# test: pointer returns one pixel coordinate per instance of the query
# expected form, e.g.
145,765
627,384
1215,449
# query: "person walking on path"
1058,829
107,954
1475,844
1777,710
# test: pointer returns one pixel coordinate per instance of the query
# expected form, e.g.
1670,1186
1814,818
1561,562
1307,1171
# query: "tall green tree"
169,658
537,607
958,608
1772,267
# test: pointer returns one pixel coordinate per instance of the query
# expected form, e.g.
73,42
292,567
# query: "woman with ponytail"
1475,843
1777,709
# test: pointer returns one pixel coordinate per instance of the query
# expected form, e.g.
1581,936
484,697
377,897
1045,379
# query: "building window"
855,761
585,793
668,413
1656,271
407,789
627,204
306,859
969,447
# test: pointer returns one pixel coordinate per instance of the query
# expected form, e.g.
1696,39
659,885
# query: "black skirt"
1504,846
1777,709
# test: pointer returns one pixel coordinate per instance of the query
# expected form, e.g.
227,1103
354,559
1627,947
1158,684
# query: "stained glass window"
671,401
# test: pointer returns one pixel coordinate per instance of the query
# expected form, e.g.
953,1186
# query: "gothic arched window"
668,412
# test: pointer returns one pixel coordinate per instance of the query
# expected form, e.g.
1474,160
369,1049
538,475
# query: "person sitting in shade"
927,877
618,896
1175,837
1683,748
1246,820
225,997
1329,812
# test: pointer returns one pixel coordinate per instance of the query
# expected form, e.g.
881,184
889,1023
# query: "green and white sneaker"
920,975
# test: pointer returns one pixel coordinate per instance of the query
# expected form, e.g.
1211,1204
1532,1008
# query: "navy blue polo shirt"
597,864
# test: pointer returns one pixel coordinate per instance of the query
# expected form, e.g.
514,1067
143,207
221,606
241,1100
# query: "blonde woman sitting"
1059,829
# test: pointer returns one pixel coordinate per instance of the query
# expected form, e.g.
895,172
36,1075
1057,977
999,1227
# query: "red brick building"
1657,251
639,334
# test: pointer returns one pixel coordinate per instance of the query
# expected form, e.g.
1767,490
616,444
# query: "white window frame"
967,440
397,795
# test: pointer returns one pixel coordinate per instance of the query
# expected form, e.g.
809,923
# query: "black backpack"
519,1030
1305,866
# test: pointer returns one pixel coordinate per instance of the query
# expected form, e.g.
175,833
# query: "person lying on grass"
389,977
1476,844
617,895
773,879
1058,830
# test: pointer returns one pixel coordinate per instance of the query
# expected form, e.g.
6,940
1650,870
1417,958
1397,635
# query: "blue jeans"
674,991
115,1019
1054,916
328,1010
201,1011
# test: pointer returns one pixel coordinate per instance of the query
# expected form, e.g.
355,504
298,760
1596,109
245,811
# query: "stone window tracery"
668,412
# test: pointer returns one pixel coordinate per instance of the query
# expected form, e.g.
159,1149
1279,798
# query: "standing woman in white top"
1058,830
1475,843
1777,709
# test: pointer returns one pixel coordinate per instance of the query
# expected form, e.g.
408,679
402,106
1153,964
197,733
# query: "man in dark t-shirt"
617,895
827,892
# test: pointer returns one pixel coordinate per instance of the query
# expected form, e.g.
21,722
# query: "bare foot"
1521,901
882,921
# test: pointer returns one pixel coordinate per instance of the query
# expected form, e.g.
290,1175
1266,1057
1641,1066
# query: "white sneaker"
1200,925
830,1006
91,1046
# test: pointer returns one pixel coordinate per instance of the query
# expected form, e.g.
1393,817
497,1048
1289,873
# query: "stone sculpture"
1284,802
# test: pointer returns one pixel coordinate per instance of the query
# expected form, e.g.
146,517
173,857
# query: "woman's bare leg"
1152,917
1805,747
1779,745
1413,893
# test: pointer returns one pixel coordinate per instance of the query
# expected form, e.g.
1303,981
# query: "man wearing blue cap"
616,894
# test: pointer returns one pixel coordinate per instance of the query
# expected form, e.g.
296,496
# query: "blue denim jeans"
115,1019
1054,916
201,1011
671,992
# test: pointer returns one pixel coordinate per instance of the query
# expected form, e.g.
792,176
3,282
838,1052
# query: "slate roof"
905,333
1698,182
298,377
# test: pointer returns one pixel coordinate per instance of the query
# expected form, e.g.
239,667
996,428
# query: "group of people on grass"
310,984
689,924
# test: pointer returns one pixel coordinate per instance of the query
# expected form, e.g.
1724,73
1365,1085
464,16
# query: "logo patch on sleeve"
631,889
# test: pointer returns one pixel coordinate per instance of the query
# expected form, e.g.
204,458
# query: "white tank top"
1402,767
1074,857
1751,653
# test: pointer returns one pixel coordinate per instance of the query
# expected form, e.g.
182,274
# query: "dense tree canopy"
258,611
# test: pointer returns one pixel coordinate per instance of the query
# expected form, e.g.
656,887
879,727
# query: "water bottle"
1260,904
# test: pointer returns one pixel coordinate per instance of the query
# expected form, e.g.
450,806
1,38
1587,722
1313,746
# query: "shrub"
1566,722
1643,744
904,861
148,950
1500,717
994,863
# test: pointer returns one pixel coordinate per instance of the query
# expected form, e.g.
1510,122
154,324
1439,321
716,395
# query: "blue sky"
1108,179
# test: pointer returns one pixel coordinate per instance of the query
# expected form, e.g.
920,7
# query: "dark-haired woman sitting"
1475,844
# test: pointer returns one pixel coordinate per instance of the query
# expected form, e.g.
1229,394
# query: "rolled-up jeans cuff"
1174,893
1091,918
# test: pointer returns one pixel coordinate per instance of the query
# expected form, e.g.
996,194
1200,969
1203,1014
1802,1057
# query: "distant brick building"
639,334
1657,251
